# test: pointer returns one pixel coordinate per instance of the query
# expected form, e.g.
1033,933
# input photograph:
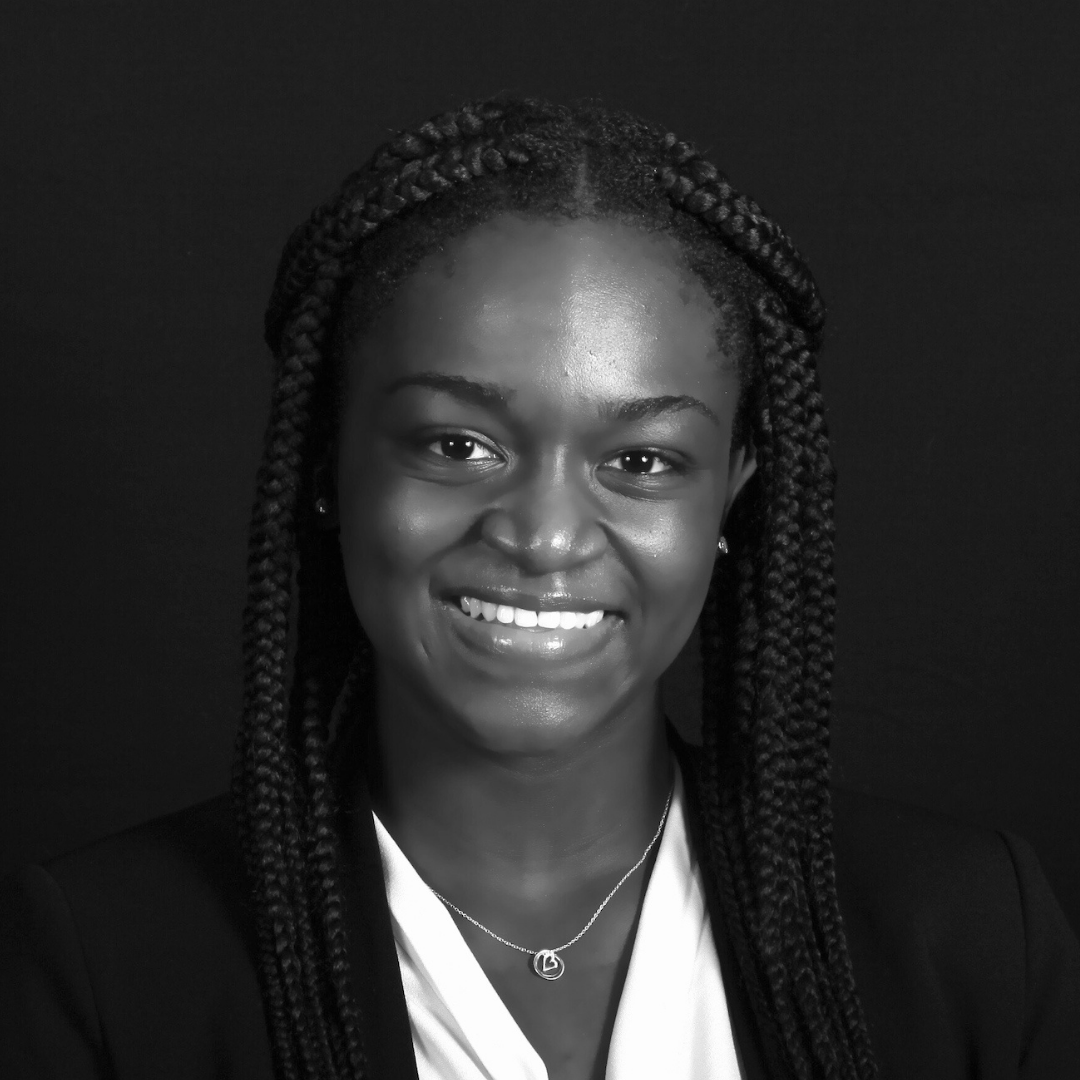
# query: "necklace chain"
581,933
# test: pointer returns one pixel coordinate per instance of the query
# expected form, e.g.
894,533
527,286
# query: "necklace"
547,963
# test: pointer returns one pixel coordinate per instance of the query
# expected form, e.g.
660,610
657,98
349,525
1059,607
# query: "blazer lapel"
753,1054
376,976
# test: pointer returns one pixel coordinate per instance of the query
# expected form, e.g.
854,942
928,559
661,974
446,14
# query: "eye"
641,463
461,448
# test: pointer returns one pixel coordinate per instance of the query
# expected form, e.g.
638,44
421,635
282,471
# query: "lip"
551,601
495,641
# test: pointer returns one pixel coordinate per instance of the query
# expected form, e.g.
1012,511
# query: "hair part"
759,787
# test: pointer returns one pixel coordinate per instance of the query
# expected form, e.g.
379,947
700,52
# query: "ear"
741,466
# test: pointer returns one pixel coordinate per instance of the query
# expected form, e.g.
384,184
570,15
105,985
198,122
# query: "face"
534,466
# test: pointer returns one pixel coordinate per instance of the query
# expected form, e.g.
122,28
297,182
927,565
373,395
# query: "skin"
524,773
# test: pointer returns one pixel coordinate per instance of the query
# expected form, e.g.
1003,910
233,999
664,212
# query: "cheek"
392,531
675,555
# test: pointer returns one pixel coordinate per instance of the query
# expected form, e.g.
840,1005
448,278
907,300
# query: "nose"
548,521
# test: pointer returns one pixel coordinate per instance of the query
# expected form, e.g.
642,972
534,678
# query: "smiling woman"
545,401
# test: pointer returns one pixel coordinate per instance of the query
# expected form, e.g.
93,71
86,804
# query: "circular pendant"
548,964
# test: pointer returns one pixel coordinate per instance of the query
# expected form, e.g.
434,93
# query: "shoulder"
945,879
161,865
962,955
172,885
143,943
926,900
893,855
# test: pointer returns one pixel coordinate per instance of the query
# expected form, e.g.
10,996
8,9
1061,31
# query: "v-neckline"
432,950
425,932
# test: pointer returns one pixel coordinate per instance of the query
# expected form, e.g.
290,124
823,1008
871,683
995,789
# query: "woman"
545,399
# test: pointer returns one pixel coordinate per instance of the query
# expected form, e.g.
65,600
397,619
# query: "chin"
532,723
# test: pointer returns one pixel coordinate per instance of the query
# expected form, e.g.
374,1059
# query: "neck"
527,826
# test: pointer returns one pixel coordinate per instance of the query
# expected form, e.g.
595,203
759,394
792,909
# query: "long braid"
760,784
327,636
772,828
267,783
264,781
798,726
820,606
792,902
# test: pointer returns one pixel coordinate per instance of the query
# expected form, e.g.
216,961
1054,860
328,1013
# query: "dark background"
155,156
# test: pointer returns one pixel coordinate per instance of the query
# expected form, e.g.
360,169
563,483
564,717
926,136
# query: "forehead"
600,303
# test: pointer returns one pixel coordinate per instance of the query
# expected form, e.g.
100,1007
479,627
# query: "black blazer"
133,958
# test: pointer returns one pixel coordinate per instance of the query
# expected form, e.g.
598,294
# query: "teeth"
547,620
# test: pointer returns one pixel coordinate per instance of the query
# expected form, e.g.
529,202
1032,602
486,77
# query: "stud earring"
722,546
326,517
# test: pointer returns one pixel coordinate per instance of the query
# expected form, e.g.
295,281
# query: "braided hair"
759,785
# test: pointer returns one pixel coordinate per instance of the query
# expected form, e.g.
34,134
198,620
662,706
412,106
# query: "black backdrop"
923,155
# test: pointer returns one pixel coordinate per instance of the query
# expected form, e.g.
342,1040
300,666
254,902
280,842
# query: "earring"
722,546
326,517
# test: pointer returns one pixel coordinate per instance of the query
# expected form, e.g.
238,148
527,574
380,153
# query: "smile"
528,618
500,634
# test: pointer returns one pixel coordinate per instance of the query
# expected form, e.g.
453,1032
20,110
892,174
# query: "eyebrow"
490,395
645,408
485,395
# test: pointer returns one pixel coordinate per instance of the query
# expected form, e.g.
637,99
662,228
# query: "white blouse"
672,1019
